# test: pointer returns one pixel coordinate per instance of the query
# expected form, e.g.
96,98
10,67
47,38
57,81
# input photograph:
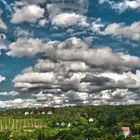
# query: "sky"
69,52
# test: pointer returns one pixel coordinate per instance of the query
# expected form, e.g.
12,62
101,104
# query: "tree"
41,136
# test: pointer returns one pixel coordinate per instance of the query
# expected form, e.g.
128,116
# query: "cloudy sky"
68,52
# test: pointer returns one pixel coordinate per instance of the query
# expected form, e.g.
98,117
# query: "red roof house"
126,131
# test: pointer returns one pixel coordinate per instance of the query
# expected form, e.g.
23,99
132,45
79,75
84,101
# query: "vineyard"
17,124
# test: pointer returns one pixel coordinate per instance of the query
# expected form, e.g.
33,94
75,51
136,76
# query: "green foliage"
41,136
5,135
71,123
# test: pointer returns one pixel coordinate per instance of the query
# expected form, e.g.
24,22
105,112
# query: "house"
43,113
126,131
26,113
57,124
63,124
69,125
32,113
91,120
49,112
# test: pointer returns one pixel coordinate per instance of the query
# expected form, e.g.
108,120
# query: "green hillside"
70,123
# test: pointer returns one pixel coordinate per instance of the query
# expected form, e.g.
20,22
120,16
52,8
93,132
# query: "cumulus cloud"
30,46
102,57
127,80
119,29
19,103
116,97
68,13
74,49
71,73
29,13
43,22
2,78
97,25
25,47
48,65
122,5
35,77
113,97
69,19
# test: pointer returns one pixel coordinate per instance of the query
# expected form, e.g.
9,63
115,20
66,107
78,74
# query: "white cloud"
47,65
10,93
34,77
122,5
96,57
127,80
70,95
20,103
97,25
115,97
69,19
74,49
119,29
2,78
43,22
68,14
118,96
30,46
29,13
25,47
73,73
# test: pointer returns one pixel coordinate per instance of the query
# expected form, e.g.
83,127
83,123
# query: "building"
91,120
126,131
57,123
43,113
32,113
26,113
69,125
49,112
63,124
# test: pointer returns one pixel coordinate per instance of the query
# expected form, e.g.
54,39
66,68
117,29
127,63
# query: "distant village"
50,112
126,130
95,120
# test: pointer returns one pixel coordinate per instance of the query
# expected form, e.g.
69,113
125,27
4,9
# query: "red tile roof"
125,129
